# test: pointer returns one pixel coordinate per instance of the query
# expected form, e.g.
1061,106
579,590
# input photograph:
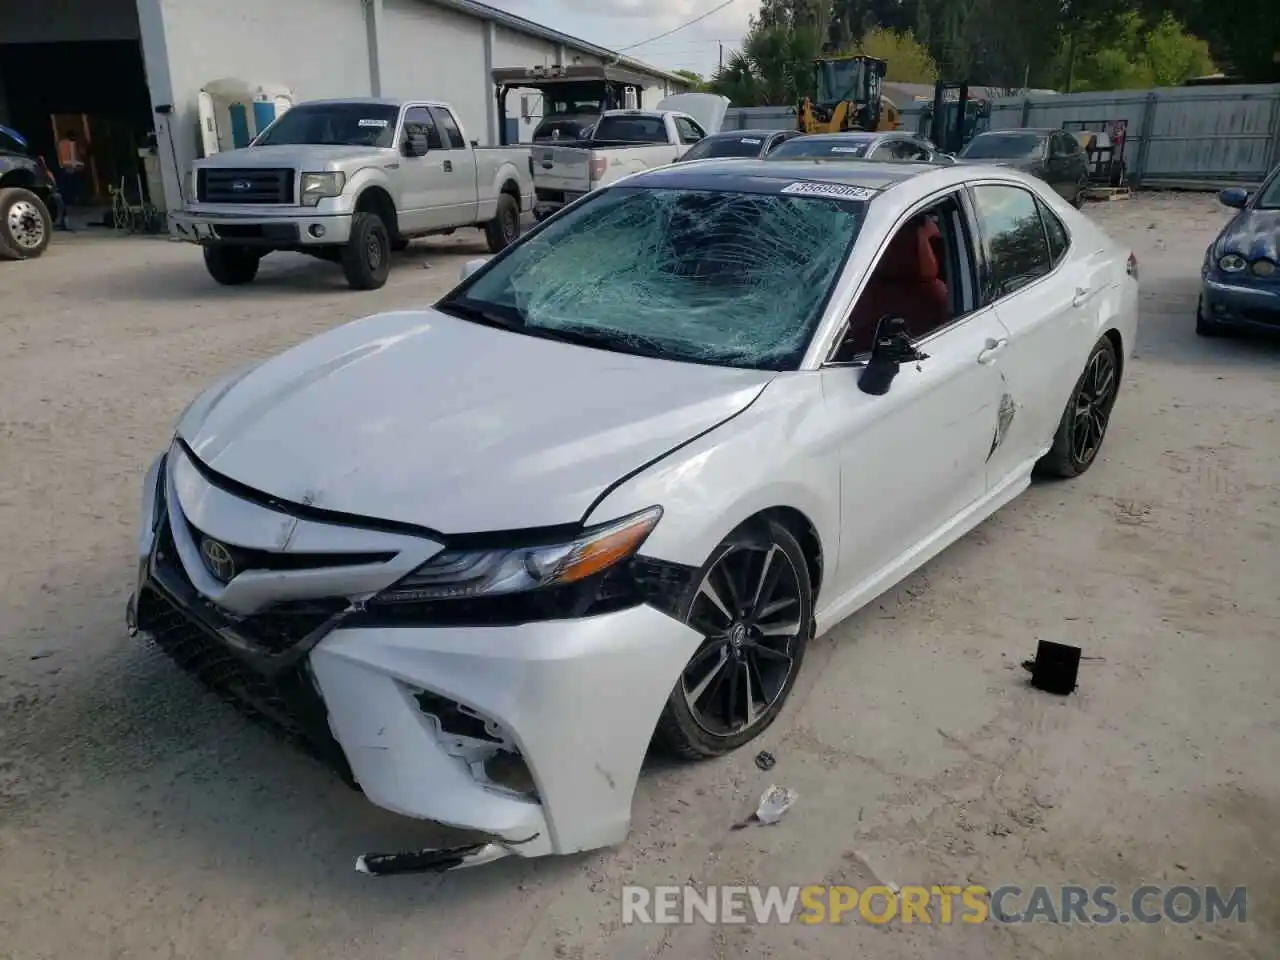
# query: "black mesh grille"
265,185
287,704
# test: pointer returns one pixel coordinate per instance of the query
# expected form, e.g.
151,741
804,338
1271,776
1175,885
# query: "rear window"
726,147
805,147
632,129
561,129
1002,146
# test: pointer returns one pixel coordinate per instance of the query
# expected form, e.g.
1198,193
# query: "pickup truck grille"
258,185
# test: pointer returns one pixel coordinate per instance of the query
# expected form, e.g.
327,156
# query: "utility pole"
722,56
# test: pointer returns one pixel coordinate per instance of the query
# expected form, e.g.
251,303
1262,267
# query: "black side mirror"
1235,197
892,349
415,146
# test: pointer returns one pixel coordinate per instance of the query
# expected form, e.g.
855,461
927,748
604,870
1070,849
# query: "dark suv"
1054,156
29,200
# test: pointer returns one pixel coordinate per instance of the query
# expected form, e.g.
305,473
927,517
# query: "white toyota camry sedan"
480,557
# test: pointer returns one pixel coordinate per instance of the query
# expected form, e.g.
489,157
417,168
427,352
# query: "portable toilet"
233,112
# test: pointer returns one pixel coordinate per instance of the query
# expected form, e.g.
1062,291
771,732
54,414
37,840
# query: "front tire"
366,259
1088,414
1204,326
504,228
752,601
231,266
25,224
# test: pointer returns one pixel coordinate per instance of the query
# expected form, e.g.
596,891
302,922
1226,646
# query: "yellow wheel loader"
847,97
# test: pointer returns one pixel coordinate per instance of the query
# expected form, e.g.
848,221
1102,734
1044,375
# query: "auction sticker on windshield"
373,123
836,191
751,141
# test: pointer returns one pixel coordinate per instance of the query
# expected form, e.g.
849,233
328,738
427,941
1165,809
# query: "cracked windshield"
735,279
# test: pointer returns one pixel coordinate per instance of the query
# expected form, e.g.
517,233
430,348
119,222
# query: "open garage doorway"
96,88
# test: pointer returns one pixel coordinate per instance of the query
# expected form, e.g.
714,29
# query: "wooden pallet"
1107,193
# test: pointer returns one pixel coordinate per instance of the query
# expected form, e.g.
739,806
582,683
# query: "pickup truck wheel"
25,225
503,229
231,266
366,259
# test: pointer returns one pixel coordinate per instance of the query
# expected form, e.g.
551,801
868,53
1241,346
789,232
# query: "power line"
690,23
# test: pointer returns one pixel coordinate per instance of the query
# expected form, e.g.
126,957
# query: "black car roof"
1038,131
773,176
854,136
733,134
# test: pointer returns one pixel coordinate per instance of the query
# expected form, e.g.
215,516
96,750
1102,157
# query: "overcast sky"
621,23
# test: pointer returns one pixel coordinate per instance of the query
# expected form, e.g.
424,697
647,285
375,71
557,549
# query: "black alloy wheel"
752,603
1088,414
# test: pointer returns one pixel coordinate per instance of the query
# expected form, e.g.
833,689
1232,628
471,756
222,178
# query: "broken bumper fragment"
531,734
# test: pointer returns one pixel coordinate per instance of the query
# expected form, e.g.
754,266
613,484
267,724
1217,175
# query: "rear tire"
231,266
1084,422
753,603
25,224
366,258
504,228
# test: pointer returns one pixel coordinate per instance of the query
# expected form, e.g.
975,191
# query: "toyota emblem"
218,559
240,186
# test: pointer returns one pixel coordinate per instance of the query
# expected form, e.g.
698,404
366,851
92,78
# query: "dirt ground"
141,818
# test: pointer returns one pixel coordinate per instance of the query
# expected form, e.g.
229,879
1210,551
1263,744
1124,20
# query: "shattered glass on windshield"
737,279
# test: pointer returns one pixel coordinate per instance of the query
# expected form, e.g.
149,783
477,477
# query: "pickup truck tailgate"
565,169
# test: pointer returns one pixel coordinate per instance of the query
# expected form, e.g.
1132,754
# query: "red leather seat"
905,283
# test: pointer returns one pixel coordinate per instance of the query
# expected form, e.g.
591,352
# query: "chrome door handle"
1082,296
992,348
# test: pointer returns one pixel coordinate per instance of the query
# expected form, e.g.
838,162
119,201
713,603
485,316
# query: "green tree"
1128,53
1243,35
909,60
697,83
774,66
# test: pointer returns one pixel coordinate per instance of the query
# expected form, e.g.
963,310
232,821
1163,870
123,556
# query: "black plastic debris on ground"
765,760
1055,668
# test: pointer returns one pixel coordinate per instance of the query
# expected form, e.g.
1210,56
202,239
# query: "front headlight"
1266,269
318,186
461,574
1232,263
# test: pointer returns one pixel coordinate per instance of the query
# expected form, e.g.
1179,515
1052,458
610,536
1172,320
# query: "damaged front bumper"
530,735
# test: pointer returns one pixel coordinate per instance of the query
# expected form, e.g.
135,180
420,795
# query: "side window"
418,122
452,133
1057,232
688,131
1013,238
924,274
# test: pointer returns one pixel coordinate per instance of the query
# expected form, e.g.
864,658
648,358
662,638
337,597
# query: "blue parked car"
1241,272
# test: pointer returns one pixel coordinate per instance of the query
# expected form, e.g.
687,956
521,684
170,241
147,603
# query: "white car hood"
421,418
709,109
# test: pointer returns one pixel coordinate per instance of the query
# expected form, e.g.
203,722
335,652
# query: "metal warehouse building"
120,69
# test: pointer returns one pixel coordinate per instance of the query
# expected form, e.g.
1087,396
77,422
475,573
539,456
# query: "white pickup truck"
623,142
349,181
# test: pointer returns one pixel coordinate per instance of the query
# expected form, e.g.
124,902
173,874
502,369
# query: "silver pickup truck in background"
620,143
349,181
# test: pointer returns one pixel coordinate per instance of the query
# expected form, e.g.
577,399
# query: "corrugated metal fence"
1191,137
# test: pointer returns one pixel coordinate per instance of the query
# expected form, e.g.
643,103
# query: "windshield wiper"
490,314
633,344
